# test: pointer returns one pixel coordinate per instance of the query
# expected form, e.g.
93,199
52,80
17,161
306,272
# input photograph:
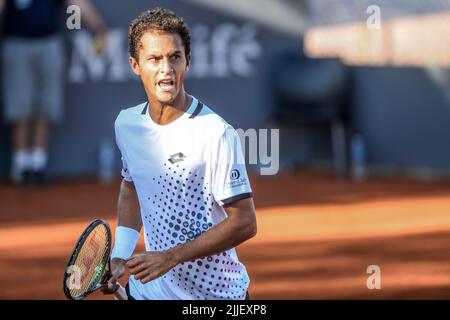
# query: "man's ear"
135,66
188,61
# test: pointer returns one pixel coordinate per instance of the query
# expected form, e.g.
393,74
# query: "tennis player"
184,179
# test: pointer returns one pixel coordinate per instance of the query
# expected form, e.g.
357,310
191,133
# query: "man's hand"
150,265
117,271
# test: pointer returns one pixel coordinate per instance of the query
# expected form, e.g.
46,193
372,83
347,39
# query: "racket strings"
91,260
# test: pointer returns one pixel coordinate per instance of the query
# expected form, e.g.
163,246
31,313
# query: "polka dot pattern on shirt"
181,211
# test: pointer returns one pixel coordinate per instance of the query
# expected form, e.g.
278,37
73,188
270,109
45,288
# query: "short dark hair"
157,19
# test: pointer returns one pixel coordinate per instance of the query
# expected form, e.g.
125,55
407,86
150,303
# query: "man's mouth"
166,84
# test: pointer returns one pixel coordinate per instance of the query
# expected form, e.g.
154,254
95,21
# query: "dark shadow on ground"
297,270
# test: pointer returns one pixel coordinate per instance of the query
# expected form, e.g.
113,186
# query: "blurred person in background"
32,60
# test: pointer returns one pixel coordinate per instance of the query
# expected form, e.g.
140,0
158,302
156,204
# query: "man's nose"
166,66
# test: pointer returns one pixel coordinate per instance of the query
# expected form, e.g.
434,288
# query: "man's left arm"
239,226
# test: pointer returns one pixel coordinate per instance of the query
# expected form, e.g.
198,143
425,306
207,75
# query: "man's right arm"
129,216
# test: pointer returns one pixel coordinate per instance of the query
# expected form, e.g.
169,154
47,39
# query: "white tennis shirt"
184,172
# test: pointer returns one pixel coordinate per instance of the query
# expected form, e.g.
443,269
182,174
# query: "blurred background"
360,93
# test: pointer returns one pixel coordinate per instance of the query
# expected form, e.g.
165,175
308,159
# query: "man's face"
162,65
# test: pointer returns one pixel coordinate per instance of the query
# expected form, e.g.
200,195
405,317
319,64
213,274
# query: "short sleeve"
230,182
125,171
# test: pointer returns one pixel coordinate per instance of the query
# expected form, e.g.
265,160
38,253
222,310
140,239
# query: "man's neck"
166,113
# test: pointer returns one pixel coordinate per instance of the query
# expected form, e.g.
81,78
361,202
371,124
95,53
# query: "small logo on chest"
177,157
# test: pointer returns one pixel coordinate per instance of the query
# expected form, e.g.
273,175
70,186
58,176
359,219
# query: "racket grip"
120,293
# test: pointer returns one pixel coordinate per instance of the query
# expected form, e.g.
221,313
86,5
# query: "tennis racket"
88,268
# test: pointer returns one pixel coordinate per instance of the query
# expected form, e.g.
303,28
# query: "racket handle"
120,293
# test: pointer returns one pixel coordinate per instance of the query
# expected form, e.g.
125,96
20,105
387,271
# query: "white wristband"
124,242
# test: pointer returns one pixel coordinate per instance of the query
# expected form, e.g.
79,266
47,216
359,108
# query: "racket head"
88,266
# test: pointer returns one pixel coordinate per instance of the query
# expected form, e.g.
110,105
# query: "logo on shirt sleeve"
235,174
235,179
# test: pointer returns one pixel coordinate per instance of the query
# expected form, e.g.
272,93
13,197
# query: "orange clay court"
316,237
